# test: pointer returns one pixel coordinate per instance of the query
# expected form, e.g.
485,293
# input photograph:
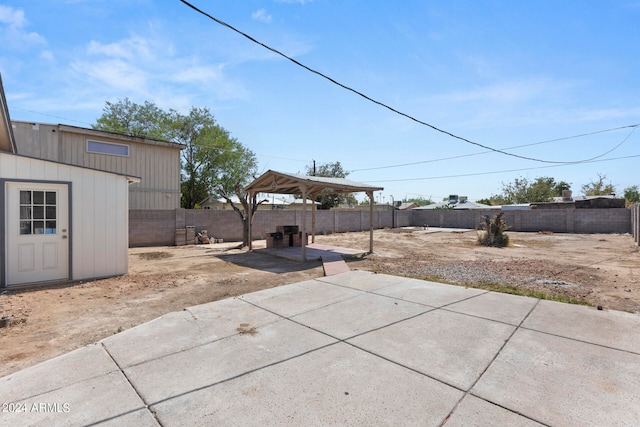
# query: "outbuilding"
58,222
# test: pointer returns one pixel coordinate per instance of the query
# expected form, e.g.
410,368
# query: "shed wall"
98,216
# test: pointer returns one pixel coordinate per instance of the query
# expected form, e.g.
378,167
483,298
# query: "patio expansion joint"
54,389
468,391
250,371
135,390
580,341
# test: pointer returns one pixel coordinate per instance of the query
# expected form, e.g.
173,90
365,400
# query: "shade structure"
310,187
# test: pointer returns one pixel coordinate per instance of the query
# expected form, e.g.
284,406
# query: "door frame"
3,224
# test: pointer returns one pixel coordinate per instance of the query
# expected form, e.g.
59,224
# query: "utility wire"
277,52
507,148
502,171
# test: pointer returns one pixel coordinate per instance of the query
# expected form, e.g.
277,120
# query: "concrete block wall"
157,227
607,221
152,227
555,220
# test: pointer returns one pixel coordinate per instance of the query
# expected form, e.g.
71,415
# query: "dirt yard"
601,270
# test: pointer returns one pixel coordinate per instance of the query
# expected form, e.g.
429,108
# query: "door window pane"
51,197
25,212
38,227
25,227
38,197
51,212
25,197
38,212
51,227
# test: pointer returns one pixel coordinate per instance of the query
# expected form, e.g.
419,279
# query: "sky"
463,96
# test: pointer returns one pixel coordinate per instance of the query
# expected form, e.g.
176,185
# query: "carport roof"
289,183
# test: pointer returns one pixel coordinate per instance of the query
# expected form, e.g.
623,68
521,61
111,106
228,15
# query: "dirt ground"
601,270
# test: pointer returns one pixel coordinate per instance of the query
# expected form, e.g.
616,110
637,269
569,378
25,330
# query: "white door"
37,225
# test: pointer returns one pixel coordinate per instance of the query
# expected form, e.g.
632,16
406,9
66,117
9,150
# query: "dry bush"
494,232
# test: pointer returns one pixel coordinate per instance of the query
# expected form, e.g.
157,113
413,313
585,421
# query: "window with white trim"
110,148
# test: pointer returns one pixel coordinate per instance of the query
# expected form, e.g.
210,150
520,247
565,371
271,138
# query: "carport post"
313,218
250,219
370,194
304,222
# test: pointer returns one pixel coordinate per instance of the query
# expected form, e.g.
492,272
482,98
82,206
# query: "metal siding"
121,223
100,226
98,215
77,214
87,223
157,166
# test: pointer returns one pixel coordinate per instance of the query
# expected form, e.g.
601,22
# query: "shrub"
494,232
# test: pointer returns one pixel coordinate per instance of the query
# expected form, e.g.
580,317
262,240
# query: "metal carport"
310,187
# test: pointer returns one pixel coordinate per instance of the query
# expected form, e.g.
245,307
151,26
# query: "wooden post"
303,239
250,219
313,218
370,194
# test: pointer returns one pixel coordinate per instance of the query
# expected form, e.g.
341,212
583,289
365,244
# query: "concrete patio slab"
429,293
560,381
614,329
334,264
336,385
77,366
298,298
186,329
357,315
107,399
203,366
356,349
511,309
450,347
362,280
474,412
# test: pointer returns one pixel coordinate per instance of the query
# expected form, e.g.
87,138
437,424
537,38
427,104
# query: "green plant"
494,232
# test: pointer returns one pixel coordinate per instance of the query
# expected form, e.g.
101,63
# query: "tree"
126,117
488,201
632,194
331,170
543,189
420,201
212,163
598,187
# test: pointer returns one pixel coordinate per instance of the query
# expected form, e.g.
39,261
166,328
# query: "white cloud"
198,74
115,73
261,15
13,17
133,47
47,55
12,32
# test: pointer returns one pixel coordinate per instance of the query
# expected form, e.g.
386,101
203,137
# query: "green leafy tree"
488,201
143,120
332,170
420,201
521,190
598,187
632,194
212,162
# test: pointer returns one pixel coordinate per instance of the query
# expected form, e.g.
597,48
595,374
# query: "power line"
502,171
50,115
507,148
350,89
